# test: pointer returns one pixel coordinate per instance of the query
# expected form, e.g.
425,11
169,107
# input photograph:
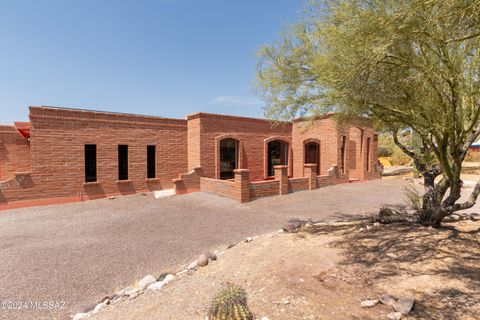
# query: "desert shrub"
413,197
384,152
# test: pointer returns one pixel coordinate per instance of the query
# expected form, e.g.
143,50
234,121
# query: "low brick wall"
224,188
298,184
264,188
189,182
241,189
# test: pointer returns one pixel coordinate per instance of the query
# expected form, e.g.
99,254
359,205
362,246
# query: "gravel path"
78,253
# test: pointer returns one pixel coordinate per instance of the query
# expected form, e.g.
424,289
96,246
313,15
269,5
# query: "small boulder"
131,291
211,256
146,281
394,316
291,226
193,265
202,260
156,286
369,303
249,239
168,278
99,307
404,305
387,300
80,316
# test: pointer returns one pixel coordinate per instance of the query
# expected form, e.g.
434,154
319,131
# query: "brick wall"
260,189
58,137
324,131
55,154
189,182
14,153
298,184
252,135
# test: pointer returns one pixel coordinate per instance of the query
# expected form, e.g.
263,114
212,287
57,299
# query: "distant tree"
407,64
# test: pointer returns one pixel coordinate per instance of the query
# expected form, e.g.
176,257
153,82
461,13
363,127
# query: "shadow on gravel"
448,255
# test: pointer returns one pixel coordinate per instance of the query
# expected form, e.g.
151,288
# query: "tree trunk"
430,204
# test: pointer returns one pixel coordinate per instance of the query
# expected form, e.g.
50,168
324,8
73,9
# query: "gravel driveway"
78,253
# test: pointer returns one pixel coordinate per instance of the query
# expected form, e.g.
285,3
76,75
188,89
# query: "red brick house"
64,155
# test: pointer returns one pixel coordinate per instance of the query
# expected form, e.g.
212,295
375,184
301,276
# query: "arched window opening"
277,155
228,158
312,154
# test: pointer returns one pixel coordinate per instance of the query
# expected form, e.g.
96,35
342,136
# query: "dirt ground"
326,272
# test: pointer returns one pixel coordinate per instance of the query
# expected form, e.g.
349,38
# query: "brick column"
281,174
310,170
242,180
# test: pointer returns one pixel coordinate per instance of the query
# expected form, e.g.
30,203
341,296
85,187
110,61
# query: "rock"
130,291
168,278
99,307
156,286
249,239
387,300
146,281
387,215
369,303
376,224
231,245
193,265
264,318
394,316
211,256
202,260
160,284
291,226
80,316
404,305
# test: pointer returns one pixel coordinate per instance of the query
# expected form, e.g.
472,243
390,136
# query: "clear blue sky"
156,57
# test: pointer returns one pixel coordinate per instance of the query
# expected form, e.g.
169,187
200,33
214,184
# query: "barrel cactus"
230,304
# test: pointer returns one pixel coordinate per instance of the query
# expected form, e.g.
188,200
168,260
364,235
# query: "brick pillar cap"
241,170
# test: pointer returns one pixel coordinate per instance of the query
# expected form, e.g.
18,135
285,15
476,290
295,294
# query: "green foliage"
413,197
230,304
387,148
406,64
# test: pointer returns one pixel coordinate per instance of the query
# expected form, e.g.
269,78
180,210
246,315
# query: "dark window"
312,154
90,163
342,154
367,156
122,162
228,158
277,155
151,167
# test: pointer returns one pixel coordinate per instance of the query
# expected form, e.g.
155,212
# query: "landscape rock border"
150,283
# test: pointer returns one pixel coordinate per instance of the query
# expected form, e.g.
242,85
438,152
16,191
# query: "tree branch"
472,199
471,36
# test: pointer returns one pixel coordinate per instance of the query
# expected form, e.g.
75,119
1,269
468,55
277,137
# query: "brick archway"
265,154
217,152
312,141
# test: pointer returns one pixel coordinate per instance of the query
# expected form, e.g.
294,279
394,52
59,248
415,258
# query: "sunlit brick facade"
65,155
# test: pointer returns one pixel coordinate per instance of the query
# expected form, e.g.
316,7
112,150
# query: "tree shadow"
409,250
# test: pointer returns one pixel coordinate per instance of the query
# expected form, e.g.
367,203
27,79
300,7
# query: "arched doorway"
312,154
277,155
228,158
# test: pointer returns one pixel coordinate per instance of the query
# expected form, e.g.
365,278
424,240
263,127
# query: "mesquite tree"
406,64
